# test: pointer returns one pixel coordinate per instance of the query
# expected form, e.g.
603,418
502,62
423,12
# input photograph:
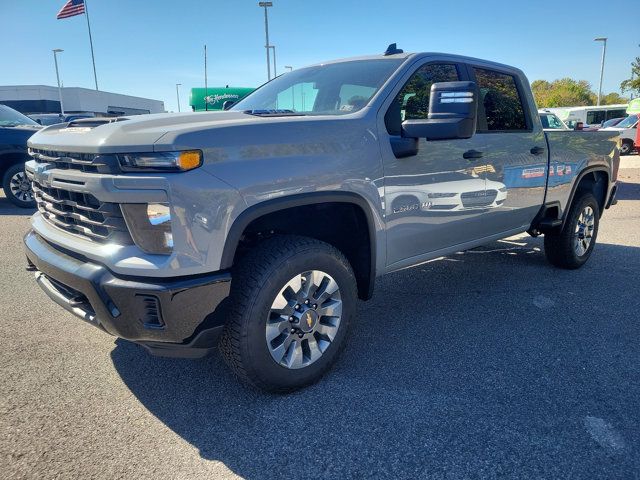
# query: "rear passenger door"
513,146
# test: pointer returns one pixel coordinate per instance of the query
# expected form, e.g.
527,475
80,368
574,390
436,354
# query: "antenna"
392,50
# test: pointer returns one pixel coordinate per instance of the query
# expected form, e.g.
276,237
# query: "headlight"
161,161
150,226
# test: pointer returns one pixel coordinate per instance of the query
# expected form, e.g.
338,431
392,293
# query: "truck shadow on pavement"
485,361
8,208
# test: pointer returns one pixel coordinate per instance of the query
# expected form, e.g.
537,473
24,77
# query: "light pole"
293,98
604,52
275,70
178,95
55,60
266,5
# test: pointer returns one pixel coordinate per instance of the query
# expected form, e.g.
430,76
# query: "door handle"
537,150
472,155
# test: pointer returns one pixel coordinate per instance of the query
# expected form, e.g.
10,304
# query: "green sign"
634,106
213,98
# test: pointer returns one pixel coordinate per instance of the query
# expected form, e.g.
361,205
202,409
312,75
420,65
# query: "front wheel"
572,246
291,302
17,187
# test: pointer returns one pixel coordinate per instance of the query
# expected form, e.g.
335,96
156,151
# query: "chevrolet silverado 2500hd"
259,227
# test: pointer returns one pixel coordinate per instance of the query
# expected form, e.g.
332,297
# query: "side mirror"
452,115
228,104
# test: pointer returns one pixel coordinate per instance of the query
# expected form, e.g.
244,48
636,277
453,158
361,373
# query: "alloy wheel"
20,187
303,319
584,231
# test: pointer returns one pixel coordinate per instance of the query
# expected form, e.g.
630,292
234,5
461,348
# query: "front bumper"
170,317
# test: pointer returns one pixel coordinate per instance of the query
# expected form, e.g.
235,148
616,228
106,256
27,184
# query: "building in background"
213,98
29,99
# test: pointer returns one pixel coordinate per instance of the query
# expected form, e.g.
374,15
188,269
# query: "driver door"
433,199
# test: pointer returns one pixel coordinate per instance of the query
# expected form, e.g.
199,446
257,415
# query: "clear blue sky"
145,47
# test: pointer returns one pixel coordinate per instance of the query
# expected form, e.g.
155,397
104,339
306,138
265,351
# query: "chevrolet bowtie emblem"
309,319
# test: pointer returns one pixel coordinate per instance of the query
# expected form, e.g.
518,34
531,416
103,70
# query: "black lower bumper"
170,317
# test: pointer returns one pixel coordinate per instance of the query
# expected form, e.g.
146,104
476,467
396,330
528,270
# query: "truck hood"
137,133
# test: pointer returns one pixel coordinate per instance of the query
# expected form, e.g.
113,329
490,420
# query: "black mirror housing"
228,104
452,115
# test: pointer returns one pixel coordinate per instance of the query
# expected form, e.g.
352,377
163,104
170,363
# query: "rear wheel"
291,303
17,187
572,246
626,147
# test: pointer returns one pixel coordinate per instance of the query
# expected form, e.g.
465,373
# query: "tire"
259,344
626,147
17,187
572,246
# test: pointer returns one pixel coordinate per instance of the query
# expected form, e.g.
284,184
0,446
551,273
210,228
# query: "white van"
591,116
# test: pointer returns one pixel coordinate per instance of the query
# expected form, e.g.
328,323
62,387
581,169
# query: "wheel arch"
594,179
365,270
9,159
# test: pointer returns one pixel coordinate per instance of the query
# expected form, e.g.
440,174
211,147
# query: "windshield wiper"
274,113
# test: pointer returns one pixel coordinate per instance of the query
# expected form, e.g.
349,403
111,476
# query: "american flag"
71,8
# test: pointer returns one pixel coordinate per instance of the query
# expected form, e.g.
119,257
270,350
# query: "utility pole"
178,95
266,5
55,59
206,87
604,52
275,70
293,97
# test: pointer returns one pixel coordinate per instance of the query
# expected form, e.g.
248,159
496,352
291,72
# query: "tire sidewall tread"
257,278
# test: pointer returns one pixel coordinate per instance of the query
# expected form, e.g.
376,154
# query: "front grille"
479,198
84,162
82,214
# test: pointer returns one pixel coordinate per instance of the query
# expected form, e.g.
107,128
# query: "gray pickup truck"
256,229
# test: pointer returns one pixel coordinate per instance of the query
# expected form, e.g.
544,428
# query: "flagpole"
93,59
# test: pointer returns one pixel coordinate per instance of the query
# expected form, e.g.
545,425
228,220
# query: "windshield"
47,120
549,120
611,123
332,89
10,118
628,122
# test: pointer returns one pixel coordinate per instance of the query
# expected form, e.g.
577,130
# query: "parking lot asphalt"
484,364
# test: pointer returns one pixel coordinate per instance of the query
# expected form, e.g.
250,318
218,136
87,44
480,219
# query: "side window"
413,100
595,117
500,106
616,113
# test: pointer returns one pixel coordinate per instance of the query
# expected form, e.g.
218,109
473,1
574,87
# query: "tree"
632,84
565,92
613,99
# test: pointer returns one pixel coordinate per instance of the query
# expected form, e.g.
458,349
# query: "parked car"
260,226
613,122
590,116
550,121
46,119
627,129
15,130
